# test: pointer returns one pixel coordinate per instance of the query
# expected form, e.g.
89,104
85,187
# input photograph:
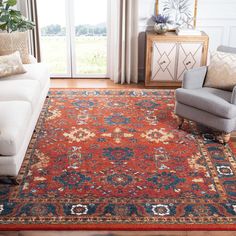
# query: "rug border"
120,227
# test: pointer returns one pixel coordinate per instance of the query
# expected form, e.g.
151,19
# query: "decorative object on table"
182,13
169,56
114,171
14,26
161,23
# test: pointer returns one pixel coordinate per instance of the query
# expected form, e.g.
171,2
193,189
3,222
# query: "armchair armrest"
194,79
233,97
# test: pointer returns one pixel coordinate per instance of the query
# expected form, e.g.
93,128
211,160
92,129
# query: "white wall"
216,17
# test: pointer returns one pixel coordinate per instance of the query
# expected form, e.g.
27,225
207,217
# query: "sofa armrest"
194,79
233,97
32,59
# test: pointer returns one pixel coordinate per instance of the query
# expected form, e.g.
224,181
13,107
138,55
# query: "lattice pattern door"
189,57
164,61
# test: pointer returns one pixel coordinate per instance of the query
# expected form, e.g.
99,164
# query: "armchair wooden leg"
13,180
226,137
9,180
180,121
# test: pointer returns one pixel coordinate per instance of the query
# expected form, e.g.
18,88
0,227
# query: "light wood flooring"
105,83
91,83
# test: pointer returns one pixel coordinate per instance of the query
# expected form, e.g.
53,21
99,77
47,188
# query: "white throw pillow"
11,65
221,71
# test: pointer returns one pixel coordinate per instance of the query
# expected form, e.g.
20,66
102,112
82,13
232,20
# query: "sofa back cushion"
16,41
11,65
221,71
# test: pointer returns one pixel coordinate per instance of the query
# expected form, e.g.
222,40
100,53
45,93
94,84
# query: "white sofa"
21,101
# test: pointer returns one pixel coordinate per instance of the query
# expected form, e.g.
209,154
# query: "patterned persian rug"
114,159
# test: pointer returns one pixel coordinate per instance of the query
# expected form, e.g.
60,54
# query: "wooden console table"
169,56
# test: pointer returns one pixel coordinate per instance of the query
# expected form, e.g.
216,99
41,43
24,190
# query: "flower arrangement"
161,23
161,19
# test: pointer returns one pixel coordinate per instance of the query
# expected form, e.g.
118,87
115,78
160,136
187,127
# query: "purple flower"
161,19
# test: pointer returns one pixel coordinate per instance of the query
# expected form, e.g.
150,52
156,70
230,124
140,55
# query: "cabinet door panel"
189,57
163,61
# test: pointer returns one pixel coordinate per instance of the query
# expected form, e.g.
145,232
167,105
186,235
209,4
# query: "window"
91,37
74,37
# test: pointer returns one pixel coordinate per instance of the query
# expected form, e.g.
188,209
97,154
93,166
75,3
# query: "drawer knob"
163,62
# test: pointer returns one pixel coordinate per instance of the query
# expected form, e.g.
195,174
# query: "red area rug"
114,159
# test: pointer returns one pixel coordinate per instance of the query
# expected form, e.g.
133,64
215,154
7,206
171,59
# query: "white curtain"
29,9
123,53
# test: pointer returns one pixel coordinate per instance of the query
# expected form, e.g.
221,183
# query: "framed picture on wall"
182,13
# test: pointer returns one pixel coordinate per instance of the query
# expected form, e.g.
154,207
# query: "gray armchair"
211,107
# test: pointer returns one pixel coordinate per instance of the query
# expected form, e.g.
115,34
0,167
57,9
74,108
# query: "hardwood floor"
105,83
91,83
96,83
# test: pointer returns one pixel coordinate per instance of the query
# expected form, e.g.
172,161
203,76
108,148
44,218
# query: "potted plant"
161,23
12,20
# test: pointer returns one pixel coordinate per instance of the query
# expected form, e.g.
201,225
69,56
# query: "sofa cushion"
14,118
11,65
37,72
15,41
22,90
212,100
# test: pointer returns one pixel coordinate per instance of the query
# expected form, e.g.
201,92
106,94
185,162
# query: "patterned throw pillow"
16,41
222,71
11,65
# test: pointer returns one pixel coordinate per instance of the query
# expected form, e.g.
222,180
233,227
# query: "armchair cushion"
194,79
214,101
228,49
221,71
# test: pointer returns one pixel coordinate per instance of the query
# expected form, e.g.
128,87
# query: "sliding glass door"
90,39
74,37
54,41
